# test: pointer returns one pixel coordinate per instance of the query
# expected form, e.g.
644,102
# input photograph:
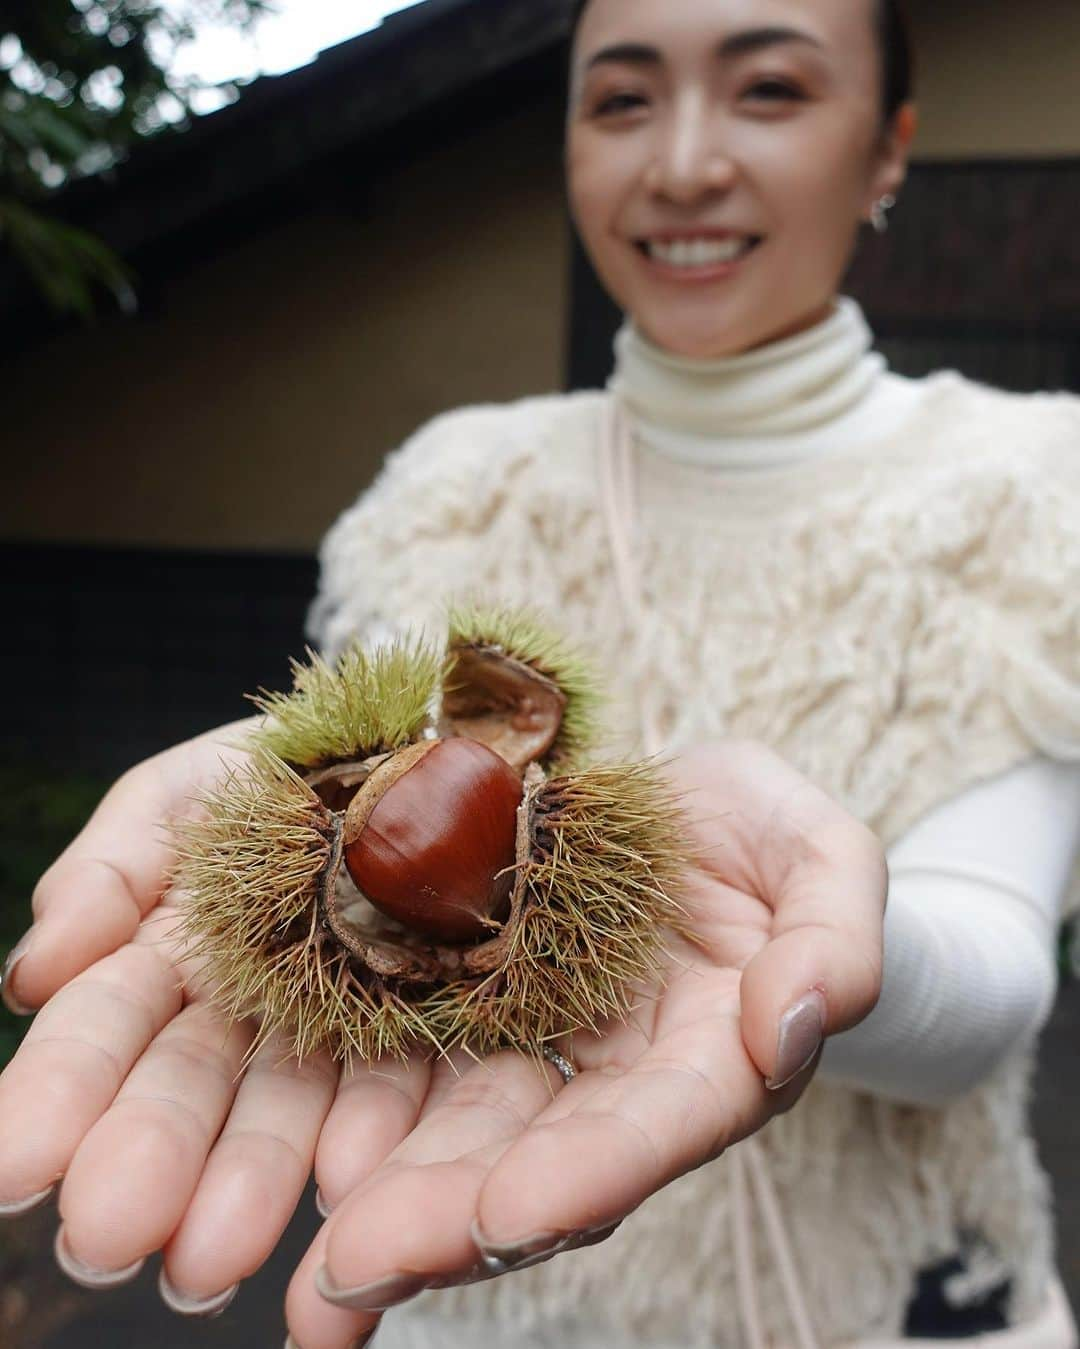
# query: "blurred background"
245,250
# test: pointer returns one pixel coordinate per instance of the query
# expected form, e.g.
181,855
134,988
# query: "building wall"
261,396
997,77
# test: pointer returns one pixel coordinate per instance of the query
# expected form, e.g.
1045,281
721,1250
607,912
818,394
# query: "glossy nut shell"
430,838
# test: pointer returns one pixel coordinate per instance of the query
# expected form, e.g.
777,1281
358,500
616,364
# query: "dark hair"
896,53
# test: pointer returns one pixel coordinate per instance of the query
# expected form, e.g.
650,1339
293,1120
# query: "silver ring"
566,1069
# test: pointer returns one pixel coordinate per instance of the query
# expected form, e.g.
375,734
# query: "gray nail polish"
494,1265
15,1208
593,1236
802,1029
534,1250
7,993
85,1275
498,1257
371,1297
184,1305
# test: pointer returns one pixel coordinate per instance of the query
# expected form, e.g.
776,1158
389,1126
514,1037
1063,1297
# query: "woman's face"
720,156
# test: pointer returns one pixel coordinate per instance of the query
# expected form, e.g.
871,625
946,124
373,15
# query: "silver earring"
879,212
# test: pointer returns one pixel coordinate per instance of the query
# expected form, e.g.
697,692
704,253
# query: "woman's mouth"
704,258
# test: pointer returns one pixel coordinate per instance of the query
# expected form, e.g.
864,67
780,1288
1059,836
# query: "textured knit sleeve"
988,684
979,557
429,528
1032,566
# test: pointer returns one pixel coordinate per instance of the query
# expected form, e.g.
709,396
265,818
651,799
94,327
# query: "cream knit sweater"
899,615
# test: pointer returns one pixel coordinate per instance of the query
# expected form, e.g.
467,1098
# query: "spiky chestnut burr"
512,683
597,853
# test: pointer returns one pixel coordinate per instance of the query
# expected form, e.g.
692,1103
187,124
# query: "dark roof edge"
362,88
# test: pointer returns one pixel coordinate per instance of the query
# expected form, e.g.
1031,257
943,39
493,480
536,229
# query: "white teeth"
698,252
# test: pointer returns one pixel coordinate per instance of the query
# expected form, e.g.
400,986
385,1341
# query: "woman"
874,575
860,570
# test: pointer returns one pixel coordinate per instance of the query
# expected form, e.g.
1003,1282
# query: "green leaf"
55,38
65,262
58,130
16,126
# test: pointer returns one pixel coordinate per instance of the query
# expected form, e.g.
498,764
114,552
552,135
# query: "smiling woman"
845,605
777,124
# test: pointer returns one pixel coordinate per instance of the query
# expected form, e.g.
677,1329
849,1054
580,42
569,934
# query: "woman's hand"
449,1172
127,1086
131,1090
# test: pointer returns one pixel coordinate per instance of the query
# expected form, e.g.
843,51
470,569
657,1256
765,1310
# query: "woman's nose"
689,159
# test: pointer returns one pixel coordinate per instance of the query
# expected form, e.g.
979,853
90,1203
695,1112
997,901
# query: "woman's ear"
894,150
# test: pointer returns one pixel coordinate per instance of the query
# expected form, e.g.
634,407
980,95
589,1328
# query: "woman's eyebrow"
754,39
625,53
737,44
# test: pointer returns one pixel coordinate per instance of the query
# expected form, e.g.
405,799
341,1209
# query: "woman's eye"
618,103
771,91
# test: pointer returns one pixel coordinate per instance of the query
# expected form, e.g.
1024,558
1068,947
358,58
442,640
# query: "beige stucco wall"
998,77
260,398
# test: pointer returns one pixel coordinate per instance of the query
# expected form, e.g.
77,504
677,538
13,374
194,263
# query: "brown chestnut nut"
430,838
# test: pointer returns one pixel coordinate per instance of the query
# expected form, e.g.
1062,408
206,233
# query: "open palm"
129,1087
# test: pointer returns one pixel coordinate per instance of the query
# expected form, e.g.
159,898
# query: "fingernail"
85,1275
15,1208
500,1258
184,1305
593,1236
7,993
802,1029
323,1207
475,1274
371,1297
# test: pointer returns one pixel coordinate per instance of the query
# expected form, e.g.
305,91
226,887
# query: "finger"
73,1061
252,1180
375,1108
409,1226
134,1175
820,971
607,1142
92,899
315,1324
162,930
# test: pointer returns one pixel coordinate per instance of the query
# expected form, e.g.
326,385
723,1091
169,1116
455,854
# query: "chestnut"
430,837
512,889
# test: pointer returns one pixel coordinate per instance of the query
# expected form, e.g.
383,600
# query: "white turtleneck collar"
822,389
